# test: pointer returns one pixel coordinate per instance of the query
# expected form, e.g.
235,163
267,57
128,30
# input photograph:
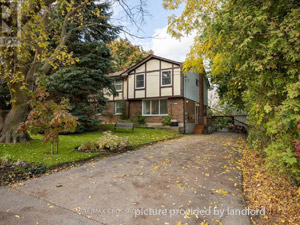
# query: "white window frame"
139,74
115,112
121,85
143,105
161,76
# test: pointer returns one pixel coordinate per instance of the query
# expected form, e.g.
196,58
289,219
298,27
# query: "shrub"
34,169
112,142
4,160
89,146
167,121
141,120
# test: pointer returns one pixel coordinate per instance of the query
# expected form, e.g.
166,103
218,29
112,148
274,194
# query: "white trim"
166,85
121,85
139,74
151,107
115,113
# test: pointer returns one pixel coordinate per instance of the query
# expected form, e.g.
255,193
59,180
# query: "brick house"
156,88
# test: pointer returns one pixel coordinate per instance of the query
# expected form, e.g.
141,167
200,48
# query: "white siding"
141,69
191,91
140,94
125,88
119,96
153,64
152,87
131,86
166,91
165,65
177,81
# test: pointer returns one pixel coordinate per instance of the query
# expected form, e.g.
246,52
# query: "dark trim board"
146,60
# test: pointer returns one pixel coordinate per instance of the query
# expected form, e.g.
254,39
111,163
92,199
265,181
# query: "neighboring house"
156,88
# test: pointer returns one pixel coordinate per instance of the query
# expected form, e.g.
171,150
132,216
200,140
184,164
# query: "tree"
48,117
92,65
126,54
46,27
85,79
254,51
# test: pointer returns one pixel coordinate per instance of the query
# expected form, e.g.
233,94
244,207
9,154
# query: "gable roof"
126,72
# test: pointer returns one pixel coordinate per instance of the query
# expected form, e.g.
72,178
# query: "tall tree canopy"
46,29
85,80
254,50
126,54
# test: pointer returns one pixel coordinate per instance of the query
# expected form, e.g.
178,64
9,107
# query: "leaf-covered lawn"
38,151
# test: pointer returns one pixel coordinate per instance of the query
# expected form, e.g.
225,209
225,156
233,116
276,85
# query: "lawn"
38,151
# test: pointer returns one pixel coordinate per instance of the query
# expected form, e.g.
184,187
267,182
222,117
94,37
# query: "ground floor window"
118,107
155,107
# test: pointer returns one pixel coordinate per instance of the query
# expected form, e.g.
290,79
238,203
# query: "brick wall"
110,117
134,109
175,109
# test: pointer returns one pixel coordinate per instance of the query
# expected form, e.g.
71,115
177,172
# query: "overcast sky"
156,26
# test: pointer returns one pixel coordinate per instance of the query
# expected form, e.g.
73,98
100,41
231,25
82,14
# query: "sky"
155,26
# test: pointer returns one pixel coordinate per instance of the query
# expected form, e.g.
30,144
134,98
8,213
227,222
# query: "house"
156,88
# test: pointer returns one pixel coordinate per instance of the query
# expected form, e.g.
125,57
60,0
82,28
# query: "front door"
196,114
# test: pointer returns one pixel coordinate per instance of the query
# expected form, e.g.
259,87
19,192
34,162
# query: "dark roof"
115,74
126,72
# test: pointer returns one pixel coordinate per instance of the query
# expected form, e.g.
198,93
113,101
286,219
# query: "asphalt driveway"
191,180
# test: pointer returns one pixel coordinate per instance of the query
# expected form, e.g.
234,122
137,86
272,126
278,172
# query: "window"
197,82
166,78
118,85
118,107
140,81
155,107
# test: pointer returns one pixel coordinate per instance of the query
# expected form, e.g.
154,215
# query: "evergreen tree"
85,83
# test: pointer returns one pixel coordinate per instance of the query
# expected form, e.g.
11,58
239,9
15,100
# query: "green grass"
38,151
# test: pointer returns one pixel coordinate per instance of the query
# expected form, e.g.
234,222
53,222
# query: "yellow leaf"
179,223
155,168
222,191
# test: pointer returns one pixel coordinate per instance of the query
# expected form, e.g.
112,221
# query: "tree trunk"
9,125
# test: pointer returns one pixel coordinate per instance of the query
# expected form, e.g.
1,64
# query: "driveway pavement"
191,180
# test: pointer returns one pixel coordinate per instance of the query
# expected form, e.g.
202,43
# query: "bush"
141,120
4,160
112,142
167,121
89,146
34,169
108,142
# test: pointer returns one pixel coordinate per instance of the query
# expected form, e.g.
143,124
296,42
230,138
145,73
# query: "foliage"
112,142
47,26
166,121
126,54
6,159
49,117
84,83
253,47
275,194
88,146
141,120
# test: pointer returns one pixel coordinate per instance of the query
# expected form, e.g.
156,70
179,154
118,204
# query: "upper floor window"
118,85
197,82
140,81
166,78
